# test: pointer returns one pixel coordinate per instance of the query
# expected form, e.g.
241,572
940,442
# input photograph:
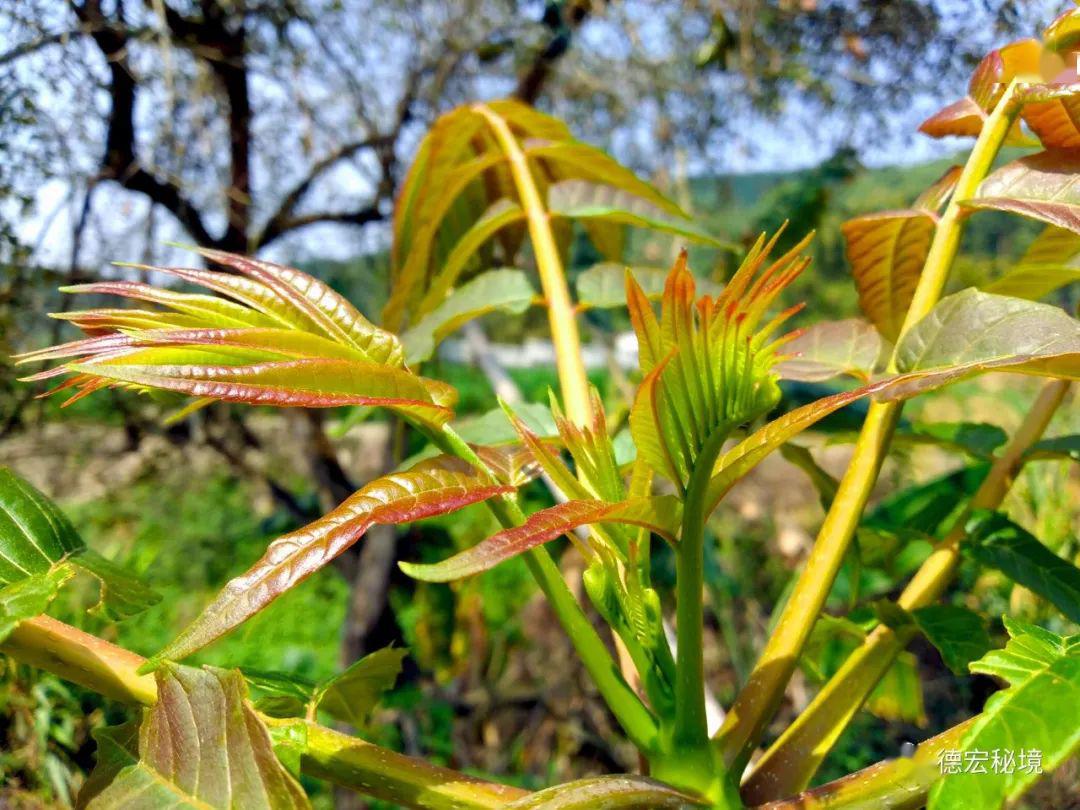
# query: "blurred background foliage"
284,127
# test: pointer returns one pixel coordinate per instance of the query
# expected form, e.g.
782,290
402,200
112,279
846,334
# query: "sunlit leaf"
501,214
200,746
1051,261
592,450
331,312
574,159
965,117
973,331
603,286
886,252
39,546
34,534
1041,186
209,310
608,793
1033,281
831,349
505,290
995,541
1064,32
430,488
659,515
307,382
708,363
352,695
747,454
1053,114
1029,720
582,200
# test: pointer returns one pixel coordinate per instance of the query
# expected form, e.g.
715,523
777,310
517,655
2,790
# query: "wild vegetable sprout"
704,414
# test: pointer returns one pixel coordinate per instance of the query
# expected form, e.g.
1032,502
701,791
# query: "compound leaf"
1033,716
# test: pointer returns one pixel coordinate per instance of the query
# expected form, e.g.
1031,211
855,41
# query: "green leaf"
659,515
30,597
927,507
1033,281
501,214
1051,261
1035,714
34,533
825,484
1040,186
201,745
608,793
352,695
886,252
432,487
279,694
1057,447
972,332
122,594
994,540
978,439
958,633
38,545
832,349
582,200
506,290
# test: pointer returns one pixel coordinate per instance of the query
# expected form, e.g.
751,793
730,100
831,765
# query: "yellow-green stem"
369,769
791,762
564,332
636,720
897,784
764,690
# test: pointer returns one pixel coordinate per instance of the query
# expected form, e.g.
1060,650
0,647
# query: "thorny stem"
759,698
352,763
795,757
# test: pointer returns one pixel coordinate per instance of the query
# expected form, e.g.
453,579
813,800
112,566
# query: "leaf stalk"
759,698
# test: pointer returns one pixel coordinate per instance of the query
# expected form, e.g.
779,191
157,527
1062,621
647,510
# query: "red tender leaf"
659,515
433,487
